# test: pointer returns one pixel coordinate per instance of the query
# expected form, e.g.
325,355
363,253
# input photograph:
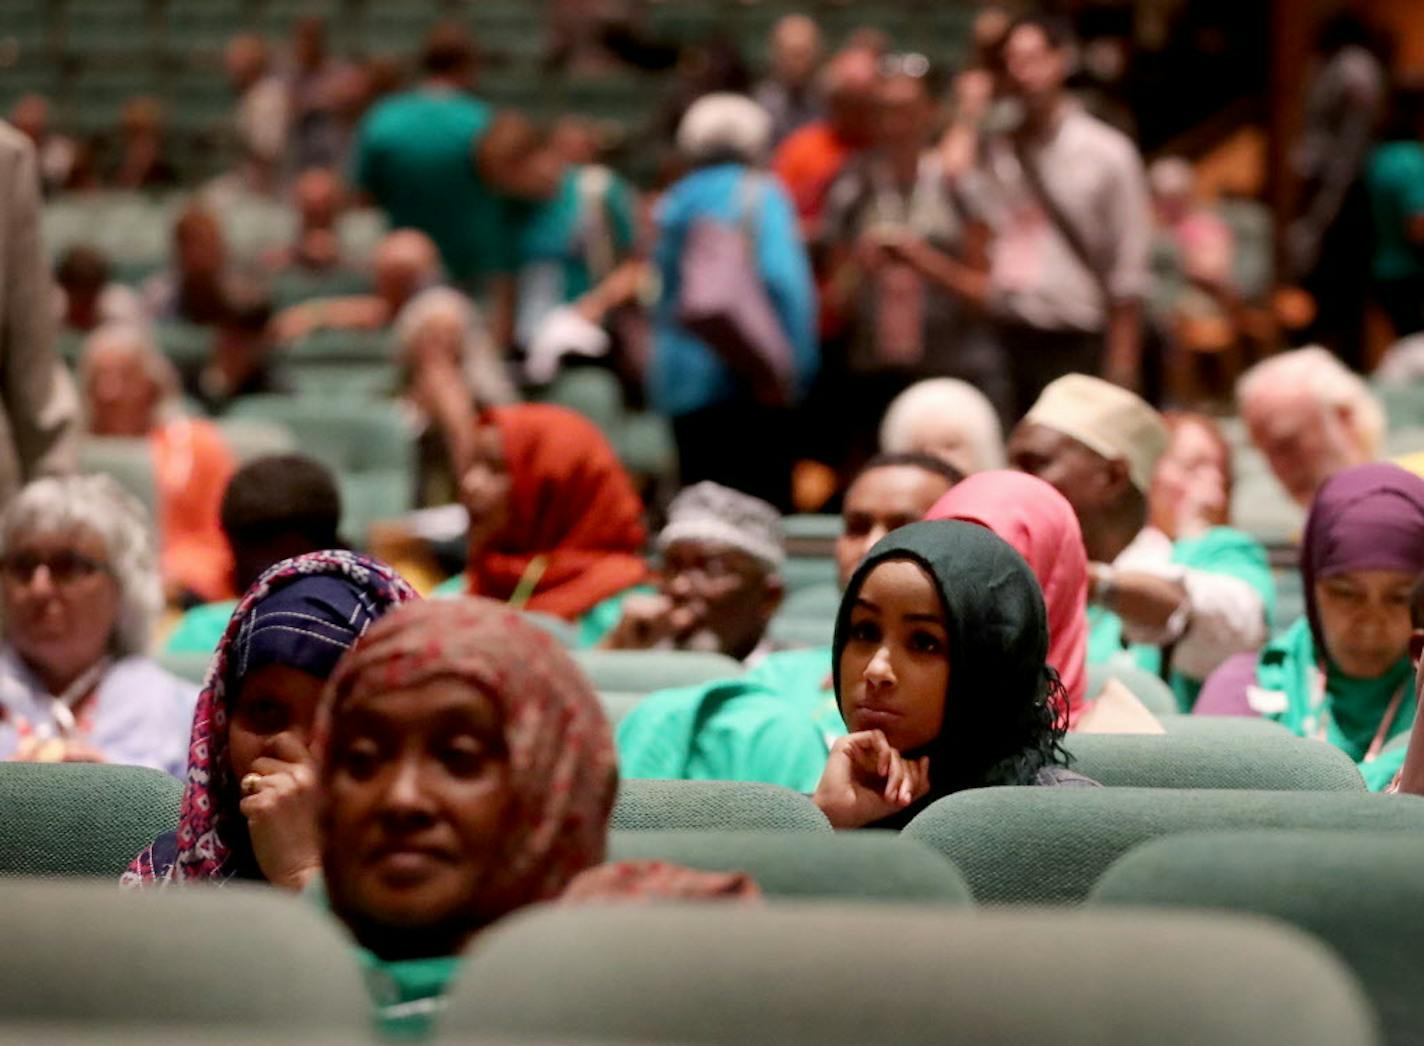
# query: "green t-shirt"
200,630
557,231
774,725
416,155
407,996
1221,550
1396,185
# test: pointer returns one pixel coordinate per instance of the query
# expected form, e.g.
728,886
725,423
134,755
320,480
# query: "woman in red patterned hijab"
467,771
555,524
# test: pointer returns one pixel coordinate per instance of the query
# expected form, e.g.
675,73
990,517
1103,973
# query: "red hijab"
571,505
1039,523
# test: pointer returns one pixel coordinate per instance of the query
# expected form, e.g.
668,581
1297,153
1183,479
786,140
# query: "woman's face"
275,700
61,601
1365,617
894,670
416,795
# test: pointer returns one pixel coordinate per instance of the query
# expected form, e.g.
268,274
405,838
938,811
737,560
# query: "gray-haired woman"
79,594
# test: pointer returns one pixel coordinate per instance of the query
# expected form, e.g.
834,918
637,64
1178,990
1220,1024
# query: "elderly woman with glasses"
79,593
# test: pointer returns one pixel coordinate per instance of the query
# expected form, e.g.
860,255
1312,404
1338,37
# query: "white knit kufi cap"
711,512
1108,420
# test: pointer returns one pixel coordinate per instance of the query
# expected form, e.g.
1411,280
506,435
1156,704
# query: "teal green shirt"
415,154
775,725
1221,550
1396,185
559,236
407,996
200,630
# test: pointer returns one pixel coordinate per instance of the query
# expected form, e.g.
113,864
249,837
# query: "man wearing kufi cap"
721,579
1195,602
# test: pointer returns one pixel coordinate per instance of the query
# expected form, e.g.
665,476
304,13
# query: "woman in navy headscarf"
249,803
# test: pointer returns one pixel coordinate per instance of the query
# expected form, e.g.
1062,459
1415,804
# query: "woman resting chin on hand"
941,673
249,808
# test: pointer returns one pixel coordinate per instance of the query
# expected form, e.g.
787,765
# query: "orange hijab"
1039,523
575,522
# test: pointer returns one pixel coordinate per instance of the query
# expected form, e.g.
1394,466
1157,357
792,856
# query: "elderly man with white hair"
1178,609
130,390
79,595
949,419
1311,417
731,424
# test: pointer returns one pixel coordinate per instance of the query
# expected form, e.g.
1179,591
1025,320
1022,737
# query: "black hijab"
1000,725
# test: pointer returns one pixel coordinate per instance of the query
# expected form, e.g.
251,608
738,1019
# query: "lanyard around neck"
1391,713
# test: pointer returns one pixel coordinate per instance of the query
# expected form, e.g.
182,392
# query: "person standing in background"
788,92
38,406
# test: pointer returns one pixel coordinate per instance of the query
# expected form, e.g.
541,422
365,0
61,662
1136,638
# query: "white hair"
480,358
724,125
1171,176
98,504
139,341
1328,381
945,398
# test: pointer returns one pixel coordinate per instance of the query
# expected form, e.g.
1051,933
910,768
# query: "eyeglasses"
64,567
915,66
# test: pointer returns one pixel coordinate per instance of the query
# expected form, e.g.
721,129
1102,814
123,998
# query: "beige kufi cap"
1108,420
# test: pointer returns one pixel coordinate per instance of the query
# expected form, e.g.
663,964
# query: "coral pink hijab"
1039,523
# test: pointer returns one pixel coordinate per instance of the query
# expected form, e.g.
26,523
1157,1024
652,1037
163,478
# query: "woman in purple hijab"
1343,673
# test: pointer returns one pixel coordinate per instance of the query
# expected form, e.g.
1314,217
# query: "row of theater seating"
866,936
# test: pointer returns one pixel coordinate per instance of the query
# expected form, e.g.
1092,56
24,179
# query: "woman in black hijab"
941,673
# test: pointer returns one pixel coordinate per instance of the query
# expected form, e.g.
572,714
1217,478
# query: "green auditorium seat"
643,671
241,957
1404,404
368,445
127,460
800,572
1360,893
1212,726
1261,760
81,819
647,805
186,344
251,438
846,975
294,286
593,392
807,616
617,704
1050,845
646,447
1155,695
186,664
848,866
818,532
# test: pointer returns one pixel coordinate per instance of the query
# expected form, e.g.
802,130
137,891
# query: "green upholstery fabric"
878,866
186,664
1222,726
1155,695
244,955
799,572
721,805
1360,893
128,461
1245,760
1050,845
643,671
252,438
832,975
81,819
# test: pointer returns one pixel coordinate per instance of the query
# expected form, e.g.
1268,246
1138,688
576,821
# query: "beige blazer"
39,411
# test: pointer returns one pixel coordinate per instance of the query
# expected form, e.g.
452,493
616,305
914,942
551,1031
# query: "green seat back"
877,866
1260,760
643,671
186,664
617,704
249,956
807,617
593,392
129,461
252,438
1155,695
294,286
80,819
1212,726
651,805
1360,893
837,975
800,572
1050,845
646,447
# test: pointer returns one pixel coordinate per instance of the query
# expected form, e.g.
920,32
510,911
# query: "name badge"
1266,702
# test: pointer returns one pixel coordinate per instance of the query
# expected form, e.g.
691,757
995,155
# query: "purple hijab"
1370,517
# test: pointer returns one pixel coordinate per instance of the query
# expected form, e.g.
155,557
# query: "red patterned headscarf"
563,772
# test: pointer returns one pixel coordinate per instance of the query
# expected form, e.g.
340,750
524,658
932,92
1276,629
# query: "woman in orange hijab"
555,524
